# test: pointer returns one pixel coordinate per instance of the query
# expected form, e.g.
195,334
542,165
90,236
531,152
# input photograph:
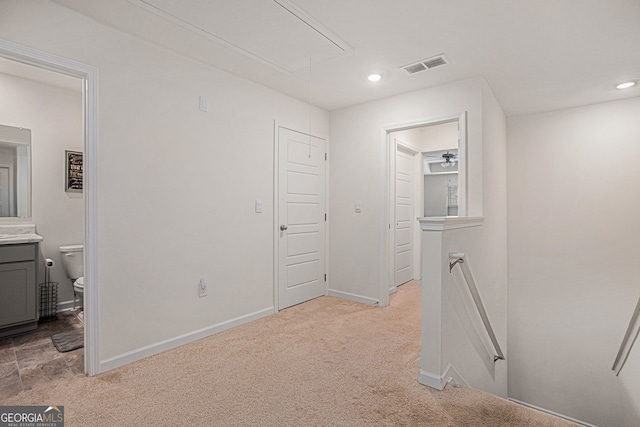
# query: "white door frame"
89,76
276,210
388,252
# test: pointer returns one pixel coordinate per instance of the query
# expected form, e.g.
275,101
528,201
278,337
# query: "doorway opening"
426,164
46,69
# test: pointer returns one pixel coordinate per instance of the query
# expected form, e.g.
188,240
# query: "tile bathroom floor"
31,360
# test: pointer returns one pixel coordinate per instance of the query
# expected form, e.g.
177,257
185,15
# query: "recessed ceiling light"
374,77
626,85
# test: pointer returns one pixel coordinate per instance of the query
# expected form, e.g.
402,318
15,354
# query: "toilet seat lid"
71,248
79,283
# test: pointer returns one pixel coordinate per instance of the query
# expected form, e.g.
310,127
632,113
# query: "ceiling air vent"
426,64
414,68
434,62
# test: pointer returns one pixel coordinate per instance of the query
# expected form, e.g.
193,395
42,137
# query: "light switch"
204,104
258,206
358,206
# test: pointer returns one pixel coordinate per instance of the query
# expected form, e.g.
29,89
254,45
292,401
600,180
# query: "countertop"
12,239
12,234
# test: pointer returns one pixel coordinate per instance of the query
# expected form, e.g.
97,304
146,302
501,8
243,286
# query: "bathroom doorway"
426,177
34,72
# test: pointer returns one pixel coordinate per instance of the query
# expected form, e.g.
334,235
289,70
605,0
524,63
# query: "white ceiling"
536,55
274,32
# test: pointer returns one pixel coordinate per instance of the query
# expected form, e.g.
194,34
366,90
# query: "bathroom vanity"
18,282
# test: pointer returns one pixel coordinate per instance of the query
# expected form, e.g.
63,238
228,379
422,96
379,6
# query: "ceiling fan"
448,159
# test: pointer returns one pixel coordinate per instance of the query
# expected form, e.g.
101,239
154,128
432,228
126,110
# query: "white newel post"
435,265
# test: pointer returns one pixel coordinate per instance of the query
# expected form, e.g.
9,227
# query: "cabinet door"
17,293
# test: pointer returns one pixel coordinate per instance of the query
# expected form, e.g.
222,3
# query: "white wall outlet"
258,206
202,288
358,206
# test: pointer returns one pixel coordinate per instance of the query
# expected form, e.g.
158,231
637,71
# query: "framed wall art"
73,171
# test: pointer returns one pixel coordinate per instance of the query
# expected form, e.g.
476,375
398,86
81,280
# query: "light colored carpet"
327,362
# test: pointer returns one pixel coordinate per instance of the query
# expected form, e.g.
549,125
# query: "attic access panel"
276,33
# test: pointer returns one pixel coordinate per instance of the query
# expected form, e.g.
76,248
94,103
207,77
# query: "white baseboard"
65,306
352,297
537,408
393,290
451,373
431,380
439,382
150,350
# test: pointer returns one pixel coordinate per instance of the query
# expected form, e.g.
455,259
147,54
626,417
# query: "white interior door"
302,216
404,217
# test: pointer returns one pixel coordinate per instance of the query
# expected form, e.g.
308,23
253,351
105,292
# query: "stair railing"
627,342
459,258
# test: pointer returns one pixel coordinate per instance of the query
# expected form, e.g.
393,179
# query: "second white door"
404,217
302,216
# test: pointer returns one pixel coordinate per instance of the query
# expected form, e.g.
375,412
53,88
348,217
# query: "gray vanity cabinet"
18,307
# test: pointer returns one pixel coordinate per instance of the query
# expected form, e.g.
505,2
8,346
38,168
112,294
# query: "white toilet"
73,264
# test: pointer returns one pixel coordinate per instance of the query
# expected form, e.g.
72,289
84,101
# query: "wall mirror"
15,172
441,182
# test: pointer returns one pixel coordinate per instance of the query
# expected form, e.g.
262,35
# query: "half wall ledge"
444,223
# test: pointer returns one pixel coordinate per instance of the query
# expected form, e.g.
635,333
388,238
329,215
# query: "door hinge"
325,156
325,217
325,277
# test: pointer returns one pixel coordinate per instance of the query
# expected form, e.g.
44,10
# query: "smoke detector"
426,64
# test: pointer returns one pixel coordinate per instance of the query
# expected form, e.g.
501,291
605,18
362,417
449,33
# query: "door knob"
283,227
